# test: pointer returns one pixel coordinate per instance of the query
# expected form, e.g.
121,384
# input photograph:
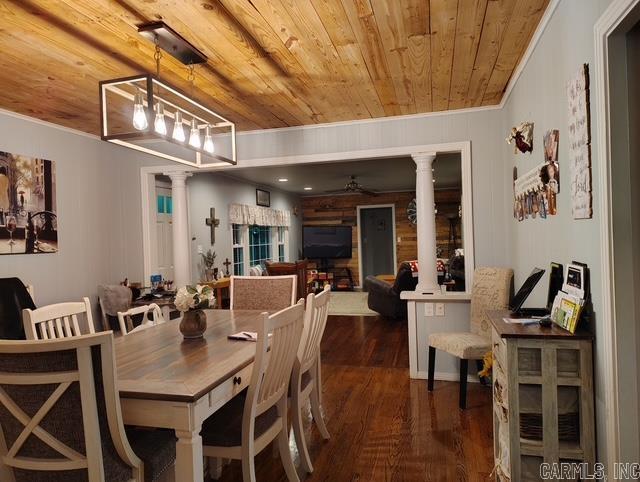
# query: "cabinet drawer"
230,388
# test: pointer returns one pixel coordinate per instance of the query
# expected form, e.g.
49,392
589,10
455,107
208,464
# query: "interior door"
376,241
164,235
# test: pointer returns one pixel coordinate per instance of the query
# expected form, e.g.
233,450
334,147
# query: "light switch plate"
439,309
428,309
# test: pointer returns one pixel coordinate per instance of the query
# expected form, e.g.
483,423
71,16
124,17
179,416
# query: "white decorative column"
180,228
426,225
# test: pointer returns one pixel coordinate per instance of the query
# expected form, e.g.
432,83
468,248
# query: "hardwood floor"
384,426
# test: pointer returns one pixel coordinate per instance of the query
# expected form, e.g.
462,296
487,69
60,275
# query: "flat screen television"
323,242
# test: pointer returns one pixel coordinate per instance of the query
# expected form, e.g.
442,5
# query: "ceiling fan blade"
335,191
368,193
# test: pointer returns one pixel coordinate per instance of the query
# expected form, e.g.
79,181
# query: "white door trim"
606,25
359,234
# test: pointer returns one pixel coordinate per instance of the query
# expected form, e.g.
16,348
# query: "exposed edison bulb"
178,129
208,141
194,136
160,125
139,114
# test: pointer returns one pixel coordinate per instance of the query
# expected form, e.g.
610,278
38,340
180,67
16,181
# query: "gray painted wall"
540,96
99,211
207,190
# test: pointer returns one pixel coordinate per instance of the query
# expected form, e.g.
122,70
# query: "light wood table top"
157,364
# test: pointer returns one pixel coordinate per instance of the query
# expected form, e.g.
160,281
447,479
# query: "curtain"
245,214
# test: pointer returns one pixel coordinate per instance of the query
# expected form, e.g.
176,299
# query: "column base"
428,288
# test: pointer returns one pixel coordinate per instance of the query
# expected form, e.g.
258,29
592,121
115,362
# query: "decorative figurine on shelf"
215,274
209,259
226,264
191,300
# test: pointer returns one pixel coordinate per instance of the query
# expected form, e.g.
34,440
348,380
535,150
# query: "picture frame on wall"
263,198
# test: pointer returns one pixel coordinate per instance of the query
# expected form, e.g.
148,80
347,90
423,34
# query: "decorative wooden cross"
213,223
226,263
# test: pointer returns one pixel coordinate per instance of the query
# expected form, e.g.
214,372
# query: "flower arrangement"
197,297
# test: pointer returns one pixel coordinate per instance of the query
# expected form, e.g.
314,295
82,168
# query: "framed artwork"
28,211
263,198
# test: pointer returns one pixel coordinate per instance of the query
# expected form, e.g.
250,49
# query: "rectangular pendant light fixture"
145,113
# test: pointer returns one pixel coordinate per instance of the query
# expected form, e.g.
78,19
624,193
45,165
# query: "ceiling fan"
354,187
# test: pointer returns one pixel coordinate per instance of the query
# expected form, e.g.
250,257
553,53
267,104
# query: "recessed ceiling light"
283,179
308,188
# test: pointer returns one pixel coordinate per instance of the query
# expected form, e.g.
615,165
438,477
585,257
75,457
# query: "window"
281,243
259,245
253,245
165,204
238,249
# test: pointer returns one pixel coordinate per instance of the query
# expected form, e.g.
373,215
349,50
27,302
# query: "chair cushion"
224,428
156,449
468,346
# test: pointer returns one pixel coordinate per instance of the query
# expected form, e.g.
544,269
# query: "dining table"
169,382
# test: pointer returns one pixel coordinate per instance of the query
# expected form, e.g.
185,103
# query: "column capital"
423,157
178,176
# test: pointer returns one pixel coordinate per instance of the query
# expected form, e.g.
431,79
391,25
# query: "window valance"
245,214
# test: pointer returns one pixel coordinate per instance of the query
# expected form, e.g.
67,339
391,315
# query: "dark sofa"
385,297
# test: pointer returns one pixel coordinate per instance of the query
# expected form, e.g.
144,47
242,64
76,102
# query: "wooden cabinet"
542,398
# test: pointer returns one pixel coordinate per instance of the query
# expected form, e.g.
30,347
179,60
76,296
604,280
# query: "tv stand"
340,278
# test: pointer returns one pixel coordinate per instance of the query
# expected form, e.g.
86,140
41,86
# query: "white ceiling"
388,174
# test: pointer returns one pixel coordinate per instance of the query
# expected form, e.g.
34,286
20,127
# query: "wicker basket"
531,414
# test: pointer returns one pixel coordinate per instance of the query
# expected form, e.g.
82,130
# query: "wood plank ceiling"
272,63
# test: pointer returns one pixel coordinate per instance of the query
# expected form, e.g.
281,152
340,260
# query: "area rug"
350,303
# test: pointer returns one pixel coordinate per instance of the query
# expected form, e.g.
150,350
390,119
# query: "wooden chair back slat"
46,323
316,315
152,315
273,367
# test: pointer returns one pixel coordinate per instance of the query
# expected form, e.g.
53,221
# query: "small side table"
219,286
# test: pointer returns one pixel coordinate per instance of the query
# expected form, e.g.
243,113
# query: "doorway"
163,239
376,240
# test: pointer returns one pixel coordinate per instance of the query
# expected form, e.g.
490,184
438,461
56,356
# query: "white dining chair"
306,381
57,321
265,293
257,416
151,316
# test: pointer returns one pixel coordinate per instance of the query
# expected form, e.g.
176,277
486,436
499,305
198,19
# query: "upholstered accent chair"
306,380
258,415
60,320
491,291
60,416
112,299
265,293
299,268
384,297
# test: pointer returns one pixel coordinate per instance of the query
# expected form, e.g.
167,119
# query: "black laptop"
555,284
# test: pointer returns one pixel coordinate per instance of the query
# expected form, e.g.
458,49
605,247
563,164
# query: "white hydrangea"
184,300
190,297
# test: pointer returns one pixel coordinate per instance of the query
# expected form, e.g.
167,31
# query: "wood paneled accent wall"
342,209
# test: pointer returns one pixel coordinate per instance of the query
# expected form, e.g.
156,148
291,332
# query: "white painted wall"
540,96
98,203
217,190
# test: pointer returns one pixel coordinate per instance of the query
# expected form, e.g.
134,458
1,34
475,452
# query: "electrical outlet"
399,239
200,249
439,309
428,309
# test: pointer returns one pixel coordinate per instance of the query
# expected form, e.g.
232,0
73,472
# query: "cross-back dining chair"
306,381
266,293
57,321
60,416
151,315
257,416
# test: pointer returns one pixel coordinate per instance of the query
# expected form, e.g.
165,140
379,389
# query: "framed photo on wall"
263,198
